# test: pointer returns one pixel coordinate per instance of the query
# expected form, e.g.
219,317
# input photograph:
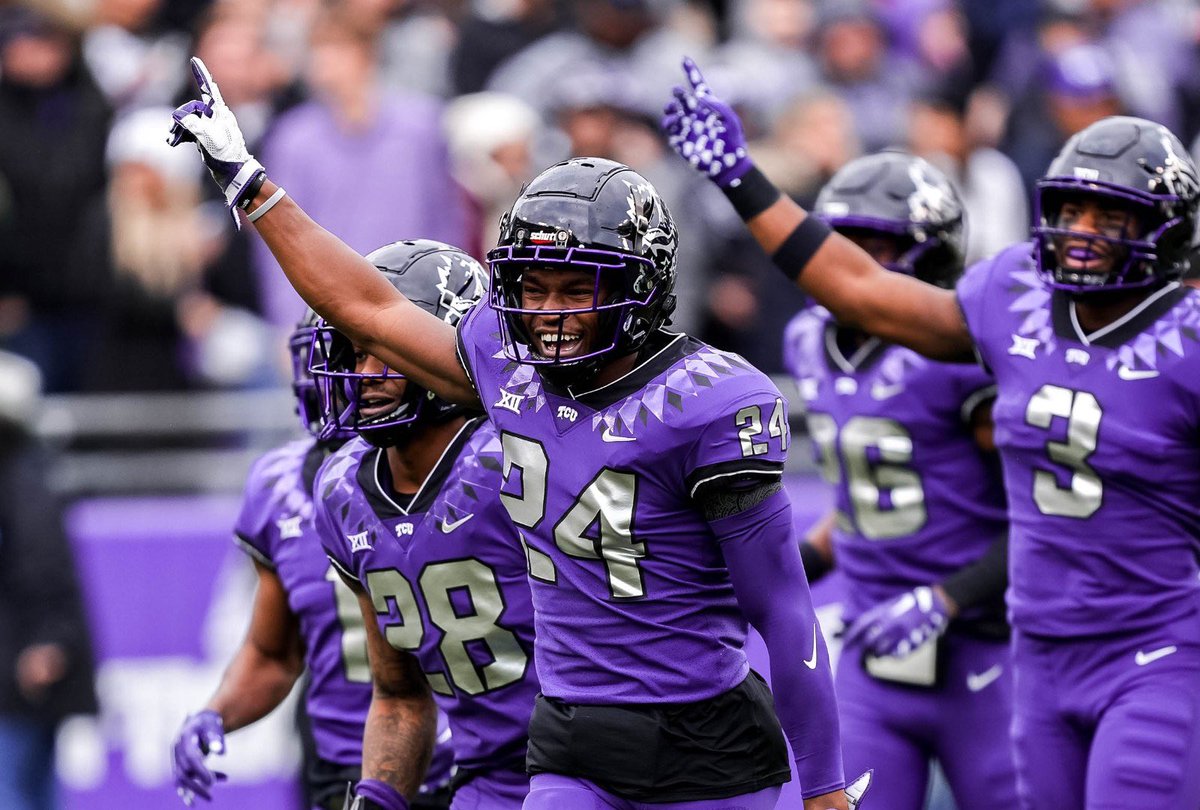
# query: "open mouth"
554,344
1083,256
374,408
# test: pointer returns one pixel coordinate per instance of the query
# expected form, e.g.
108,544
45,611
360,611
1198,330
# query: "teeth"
551,338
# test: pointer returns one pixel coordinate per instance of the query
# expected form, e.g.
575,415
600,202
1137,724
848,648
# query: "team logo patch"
510,402
360,541
1024,347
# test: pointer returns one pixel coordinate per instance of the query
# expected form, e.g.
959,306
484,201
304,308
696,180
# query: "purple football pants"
1108,723
963,723
495,790
550,791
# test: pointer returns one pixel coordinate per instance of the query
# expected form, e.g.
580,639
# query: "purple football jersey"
1098,438
632,598
447,576
276,527
916,500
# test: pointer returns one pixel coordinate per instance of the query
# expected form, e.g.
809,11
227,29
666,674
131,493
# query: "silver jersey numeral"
1085,493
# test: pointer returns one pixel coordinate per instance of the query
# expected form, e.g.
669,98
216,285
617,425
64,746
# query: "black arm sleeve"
815,564
983,580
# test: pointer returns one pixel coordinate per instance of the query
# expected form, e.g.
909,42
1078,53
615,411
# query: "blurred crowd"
390,119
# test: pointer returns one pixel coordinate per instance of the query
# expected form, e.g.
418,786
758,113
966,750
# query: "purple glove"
901,625
372,794
211,125
202,734
705,131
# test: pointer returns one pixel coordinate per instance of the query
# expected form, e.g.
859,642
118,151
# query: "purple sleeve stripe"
975,400
253,550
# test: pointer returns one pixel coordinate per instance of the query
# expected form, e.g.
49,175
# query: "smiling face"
554,333
1094,229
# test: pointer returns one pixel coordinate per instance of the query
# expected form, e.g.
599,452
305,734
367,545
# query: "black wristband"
799,247
251,190
751,194
815,564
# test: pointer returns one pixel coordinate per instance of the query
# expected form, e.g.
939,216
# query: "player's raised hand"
705,131
203,733
899,626
210,124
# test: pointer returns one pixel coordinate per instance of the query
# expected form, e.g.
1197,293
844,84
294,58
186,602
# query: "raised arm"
362,305
707,133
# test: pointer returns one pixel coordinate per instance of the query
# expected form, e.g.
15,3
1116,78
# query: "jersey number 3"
1081,410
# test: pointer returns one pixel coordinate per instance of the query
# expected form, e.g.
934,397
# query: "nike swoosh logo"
1126,373
1142,658
879,391
448,527
978,681
608,436
811,663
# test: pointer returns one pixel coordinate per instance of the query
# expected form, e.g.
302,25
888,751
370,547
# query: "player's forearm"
981,581
768,578
351,294
854,287
816,551
252,687
398,741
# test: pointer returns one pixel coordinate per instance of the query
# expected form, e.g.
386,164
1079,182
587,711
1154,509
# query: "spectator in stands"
624,35
492,32
492,138
854,61
179,308
989,183
384,169
51,167
46,663
1078,89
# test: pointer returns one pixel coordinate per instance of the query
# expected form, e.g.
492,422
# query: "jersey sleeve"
977,298
327,493
745,435
252,530
478,339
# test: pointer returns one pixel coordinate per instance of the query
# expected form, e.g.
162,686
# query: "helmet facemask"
306,388
621,294
344,390
1128,257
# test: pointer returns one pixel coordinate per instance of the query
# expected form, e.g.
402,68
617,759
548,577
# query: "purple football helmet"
304,386
905,197
1132,165
602,218
440,279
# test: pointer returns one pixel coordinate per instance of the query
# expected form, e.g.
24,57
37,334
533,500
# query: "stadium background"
157,329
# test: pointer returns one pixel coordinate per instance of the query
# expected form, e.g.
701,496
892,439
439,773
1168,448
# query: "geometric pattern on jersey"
447,576
633,600
683,384
1144,351
276,527
916,499
1097,435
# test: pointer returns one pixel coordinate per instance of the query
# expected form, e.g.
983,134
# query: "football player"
411,516
919,528
303,616
642,469
1093,343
